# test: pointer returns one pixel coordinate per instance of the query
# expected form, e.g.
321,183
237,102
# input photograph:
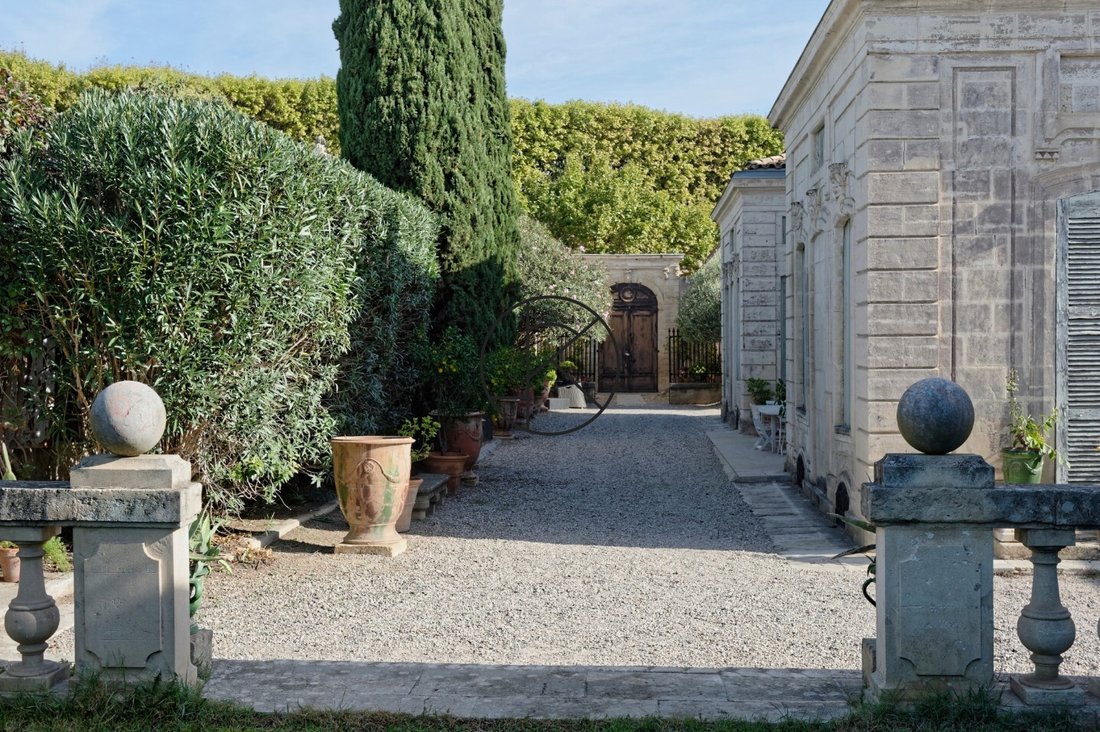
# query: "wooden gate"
634,323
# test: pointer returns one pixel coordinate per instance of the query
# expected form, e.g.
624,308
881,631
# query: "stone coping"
1003,506
58,503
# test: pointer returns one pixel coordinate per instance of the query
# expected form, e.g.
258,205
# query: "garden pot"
372,477
525,409
506,419
1022,466
404,521
451,464
464,436
9,564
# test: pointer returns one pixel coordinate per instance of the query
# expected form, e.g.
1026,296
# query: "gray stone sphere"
127,418
935,416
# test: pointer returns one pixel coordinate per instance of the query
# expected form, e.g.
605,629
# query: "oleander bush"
265,291
549,267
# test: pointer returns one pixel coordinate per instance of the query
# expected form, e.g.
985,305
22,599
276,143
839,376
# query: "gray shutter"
1081,329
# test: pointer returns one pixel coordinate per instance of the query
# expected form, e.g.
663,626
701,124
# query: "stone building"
646,289
751,217
943,219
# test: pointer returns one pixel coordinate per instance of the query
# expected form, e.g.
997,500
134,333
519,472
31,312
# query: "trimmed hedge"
265,291
610,177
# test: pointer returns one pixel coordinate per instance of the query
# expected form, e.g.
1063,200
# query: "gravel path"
620,544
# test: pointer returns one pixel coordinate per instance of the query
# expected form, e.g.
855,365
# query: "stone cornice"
841,16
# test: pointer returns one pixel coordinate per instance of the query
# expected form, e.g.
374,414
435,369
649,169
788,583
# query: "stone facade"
929,148
661,274
751,217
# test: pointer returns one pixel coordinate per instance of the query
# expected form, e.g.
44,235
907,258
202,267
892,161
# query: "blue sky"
698,57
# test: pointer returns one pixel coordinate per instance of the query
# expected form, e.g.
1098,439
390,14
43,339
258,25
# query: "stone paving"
537,692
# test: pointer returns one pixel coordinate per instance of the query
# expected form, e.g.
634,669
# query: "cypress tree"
422,106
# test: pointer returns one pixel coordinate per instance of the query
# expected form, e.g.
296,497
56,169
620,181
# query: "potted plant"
452,366
760,392
423,431
504,377
1029,441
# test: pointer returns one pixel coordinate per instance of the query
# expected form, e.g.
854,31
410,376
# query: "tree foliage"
700,317
627,179
179,243
422,107
612,178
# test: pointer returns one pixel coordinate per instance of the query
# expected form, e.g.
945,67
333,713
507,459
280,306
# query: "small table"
770,415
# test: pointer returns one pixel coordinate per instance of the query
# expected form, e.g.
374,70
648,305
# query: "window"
844,328
803,284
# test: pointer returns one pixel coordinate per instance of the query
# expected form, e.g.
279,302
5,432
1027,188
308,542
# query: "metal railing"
693,363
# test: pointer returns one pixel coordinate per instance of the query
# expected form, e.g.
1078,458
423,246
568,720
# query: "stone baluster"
1095,681
1045,626
32,616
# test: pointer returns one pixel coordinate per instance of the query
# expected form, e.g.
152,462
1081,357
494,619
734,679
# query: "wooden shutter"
1079,336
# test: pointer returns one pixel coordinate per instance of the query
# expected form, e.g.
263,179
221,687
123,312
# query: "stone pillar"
32,617
130,564
934,577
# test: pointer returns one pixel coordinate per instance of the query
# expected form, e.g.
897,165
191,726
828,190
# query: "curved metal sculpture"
597,319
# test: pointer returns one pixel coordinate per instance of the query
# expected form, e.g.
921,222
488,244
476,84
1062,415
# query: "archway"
632,367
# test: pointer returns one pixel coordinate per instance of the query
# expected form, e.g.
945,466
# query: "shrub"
179,243
549,267
700,317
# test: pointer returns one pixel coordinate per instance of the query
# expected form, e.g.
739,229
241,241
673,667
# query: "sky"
698,57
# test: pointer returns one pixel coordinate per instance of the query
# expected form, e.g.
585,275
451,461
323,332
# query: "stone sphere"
935,416
127,418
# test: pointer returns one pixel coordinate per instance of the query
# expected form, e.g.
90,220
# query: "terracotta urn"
451,464
464,436
404,521
9,564
372,477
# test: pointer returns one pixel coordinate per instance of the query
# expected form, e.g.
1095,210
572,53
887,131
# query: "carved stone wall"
947,131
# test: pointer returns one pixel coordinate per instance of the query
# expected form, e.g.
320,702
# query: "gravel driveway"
620,544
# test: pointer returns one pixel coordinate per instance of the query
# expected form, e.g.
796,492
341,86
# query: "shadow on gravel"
554,692
642,477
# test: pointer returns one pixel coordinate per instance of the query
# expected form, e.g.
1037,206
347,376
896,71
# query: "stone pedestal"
130,564
934,574
935,608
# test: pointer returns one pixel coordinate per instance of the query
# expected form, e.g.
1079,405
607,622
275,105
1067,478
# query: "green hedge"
610,177
259,287
700,316
302,109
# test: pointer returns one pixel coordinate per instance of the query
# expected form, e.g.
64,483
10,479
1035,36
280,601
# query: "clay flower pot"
404,521
9,563
372,476
464,436
451,464
506,420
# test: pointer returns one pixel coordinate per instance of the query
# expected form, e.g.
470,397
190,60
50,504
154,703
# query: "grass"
96,708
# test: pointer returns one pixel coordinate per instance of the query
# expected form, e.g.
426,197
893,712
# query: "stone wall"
750,216
942,135
661,274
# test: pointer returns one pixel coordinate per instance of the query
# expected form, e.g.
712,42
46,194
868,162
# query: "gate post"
130,567
934,586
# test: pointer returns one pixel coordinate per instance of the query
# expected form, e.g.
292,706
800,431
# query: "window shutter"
1082,338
